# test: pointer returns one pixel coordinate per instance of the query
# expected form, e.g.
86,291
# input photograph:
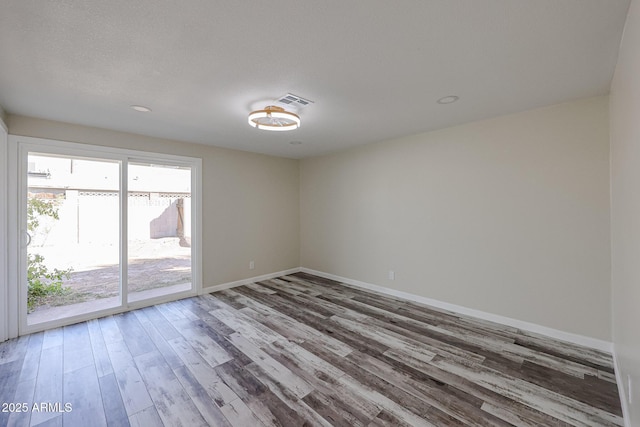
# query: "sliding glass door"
72,228
159,230
102,231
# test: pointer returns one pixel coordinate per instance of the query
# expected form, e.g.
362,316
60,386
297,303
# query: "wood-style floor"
302,351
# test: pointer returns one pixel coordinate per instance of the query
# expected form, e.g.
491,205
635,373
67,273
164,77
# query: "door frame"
5,329
19,147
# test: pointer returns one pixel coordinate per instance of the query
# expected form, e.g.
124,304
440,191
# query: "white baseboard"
622,391
582,340
242,282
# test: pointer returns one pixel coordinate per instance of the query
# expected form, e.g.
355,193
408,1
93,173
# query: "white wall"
4,333
250,201
625,208
509,216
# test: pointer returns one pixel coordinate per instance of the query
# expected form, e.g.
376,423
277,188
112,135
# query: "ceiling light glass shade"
274,118
141,108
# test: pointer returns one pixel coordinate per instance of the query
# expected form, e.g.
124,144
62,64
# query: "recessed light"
141,108
448,99
295,142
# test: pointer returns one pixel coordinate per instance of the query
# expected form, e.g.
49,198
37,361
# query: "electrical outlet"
629,389
252,265
392,275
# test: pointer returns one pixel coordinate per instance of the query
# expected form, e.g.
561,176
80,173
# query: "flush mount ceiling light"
274,118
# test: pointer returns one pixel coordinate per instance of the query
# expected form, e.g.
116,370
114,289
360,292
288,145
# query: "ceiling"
374,68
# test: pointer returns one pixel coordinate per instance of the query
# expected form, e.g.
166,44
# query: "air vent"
294,100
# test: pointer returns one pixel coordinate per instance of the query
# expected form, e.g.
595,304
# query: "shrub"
42,282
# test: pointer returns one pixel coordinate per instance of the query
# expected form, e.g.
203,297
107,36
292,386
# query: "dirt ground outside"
153,263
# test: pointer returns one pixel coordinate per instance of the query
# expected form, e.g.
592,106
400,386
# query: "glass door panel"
72,231
159,230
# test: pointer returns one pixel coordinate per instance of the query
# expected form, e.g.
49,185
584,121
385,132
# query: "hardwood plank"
145,418
410,328
13,349
158,340
77,347
265,285
356,383
174,405
558,406
427,374
304,350
327,286
24,394
318,322
136,338
119,355
333,411
286,326
408,410
170,313
402,344
239,414
200,307
32,357
249,328
301,287
216,334
9,375
391,320
99,349
114,408
290,399
385,419
56,421
366,388
589,390
211,351
437,320
506,415
278,372
265,405
110,330
275,301
213,301
309,304
180,307
584,356
335,306
49,382
217,390
466,411
82,392
207,407
258,287
133,390
346,404
596,357
163,326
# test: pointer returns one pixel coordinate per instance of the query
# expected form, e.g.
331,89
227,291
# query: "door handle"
28,238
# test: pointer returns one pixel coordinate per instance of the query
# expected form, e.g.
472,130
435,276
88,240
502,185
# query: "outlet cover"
392,275
252,265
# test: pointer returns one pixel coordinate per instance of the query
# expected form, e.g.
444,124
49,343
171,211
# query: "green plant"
37,208
42,282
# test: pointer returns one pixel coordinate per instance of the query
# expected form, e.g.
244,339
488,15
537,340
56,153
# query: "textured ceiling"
374,68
